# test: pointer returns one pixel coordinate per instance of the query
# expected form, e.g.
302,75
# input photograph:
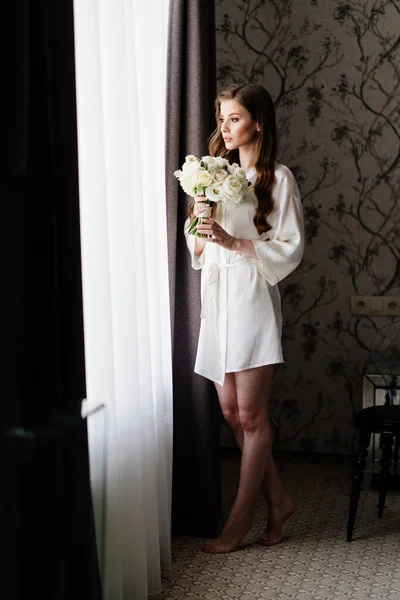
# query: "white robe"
241,316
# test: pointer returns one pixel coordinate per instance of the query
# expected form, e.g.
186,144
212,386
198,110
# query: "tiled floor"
314,561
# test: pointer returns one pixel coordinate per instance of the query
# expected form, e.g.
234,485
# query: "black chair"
384,420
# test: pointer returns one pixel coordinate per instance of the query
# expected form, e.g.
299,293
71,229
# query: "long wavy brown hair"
258,102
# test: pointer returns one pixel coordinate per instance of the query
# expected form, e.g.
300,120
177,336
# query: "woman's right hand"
198,208
198,205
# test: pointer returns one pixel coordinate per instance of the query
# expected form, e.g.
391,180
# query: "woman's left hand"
216,234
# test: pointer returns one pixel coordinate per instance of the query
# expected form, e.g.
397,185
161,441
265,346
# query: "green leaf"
193,224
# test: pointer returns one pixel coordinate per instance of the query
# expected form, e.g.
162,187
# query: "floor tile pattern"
314,562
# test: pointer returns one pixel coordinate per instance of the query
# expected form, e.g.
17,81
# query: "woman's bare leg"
252,391
280,505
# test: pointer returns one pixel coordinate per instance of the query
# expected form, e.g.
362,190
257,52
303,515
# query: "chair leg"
386,461
365,437
396,451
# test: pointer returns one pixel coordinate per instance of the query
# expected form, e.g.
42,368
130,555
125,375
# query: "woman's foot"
234,531
277,515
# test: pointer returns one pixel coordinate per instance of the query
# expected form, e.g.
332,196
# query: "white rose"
191,158
204,178
219,175
233,186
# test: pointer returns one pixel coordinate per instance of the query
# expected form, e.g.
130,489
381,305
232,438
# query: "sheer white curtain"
121,48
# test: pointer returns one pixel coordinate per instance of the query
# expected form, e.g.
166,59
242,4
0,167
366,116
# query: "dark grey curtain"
190,120
47,542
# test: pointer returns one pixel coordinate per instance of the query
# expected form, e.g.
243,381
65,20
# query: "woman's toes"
234,531
209,548
269,540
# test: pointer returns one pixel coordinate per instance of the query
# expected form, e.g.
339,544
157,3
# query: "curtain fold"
190,120
48,536
121,82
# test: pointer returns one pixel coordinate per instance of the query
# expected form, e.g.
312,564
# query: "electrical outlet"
375,305
391,305
360,305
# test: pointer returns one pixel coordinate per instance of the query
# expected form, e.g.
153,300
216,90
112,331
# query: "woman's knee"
231,415
227,396
252,419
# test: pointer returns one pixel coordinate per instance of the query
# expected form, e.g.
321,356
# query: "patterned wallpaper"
333,69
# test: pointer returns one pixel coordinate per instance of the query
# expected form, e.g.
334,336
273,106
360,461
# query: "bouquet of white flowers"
216,179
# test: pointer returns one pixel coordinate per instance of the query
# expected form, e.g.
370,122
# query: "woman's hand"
199,205
216,234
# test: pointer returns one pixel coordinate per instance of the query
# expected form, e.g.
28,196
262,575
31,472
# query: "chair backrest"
385,354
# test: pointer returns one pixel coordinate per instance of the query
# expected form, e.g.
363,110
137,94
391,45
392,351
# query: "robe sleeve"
197,260
280,254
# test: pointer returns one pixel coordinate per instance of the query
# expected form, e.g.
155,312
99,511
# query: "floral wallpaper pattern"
333,69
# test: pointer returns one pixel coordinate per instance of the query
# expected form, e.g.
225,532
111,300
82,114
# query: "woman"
247,250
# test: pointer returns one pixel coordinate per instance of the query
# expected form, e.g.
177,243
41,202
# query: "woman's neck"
246,157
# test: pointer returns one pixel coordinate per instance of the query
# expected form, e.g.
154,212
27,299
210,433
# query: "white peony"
209,161
189,183
191,167
189,175
238,171
221,162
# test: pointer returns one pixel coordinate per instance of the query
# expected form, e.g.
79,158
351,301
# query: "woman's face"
238,127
